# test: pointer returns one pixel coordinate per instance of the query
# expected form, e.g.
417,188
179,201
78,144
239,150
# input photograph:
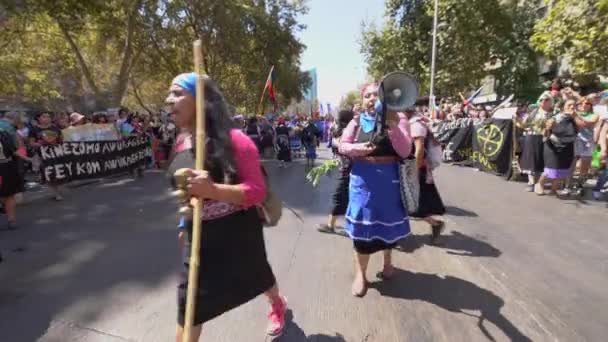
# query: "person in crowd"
62,120
10,180
583,147
601,137
340,196
45,133
234,267
282,143
77,119
375,218
168,134
254,132
429,201
100,118
533,126
266,137
310,137
558,151
483,114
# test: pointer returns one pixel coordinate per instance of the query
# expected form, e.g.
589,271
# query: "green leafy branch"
315,174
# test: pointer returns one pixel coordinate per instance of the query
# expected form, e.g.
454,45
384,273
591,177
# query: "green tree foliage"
115,52
471,34
349,100
577,29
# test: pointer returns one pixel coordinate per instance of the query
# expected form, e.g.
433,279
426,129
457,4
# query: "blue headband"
186,81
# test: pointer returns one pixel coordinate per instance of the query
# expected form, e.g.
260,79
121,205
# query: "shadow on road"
456,243
80,253
452,294
293,333
297,194
455,211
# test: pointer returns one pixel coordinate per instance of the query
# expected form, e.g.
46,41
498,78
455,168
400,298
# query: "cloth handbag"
409,184
271,209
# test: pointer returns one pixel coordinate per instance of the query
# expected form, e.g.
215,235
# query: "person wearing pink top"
234,268
375,218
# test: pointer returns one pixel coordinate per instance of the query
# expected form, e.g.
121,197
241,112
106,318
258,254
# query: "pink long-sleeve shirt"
248,169
400,139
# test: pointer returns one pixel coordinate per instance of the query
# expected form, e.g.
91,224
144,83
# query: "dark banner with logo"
484,144
492,143
456,137
68,161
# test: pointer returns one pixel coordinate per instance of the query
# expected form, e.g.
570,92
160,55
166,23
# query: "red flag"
270,87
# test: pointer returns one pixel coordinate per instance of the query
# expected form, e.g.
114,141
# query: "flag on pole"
270,86
472,97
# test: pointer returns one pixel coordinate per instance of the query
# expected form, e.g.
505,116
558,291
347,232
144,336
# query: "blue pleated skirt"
375,210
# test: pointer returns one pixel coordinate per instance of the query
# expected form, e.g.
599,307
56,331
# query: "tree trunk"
127,58
100,100
138,98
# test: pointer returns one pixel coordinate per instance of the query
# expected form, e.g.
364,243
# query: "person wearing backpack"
429,200
601,138
234,267
9,169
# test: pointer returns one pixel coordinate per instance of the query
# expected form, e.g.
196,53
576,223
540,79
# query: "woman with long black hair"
340,196
233,264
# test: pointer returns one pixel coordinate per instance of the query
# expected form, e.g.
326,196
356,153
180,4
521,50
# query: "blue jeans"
601,180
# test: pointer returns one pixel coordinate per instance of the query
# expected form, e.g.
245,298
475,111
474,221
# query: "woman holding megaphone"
375,218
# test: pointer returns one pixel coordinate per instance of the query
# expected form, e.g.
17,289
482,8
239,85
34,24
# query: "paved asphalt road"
101,266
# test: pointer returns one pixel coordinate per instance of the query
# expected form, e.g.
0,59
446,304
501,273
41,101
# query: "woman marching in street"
234,268
375,218
429,202
340,196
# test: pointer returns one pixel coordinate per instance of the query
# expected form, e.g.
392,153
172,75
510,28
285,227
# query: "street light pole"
433,55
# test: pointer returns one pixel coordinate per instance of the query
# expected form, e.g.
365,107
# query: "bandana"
186,81
367,122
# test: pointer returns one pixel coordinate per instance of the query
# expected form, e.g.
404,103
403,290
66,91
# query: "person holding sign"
233,264
45,133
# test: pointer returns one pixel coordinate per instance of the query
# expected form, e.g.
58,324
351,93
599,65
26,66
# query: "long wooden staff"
198,203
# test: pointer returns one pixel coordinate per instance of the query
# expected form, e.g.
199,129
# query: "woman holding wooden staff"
233,266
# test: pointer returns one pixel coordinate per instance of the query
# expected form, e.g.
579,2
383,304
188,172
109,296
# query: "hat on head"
546,95
75,118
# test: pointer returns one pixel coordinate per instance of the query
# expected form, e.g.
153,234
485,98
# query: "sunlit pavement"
102,266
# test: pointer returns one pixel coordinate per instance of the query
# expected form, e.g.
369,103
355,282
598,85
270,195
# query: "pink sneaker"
277,318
